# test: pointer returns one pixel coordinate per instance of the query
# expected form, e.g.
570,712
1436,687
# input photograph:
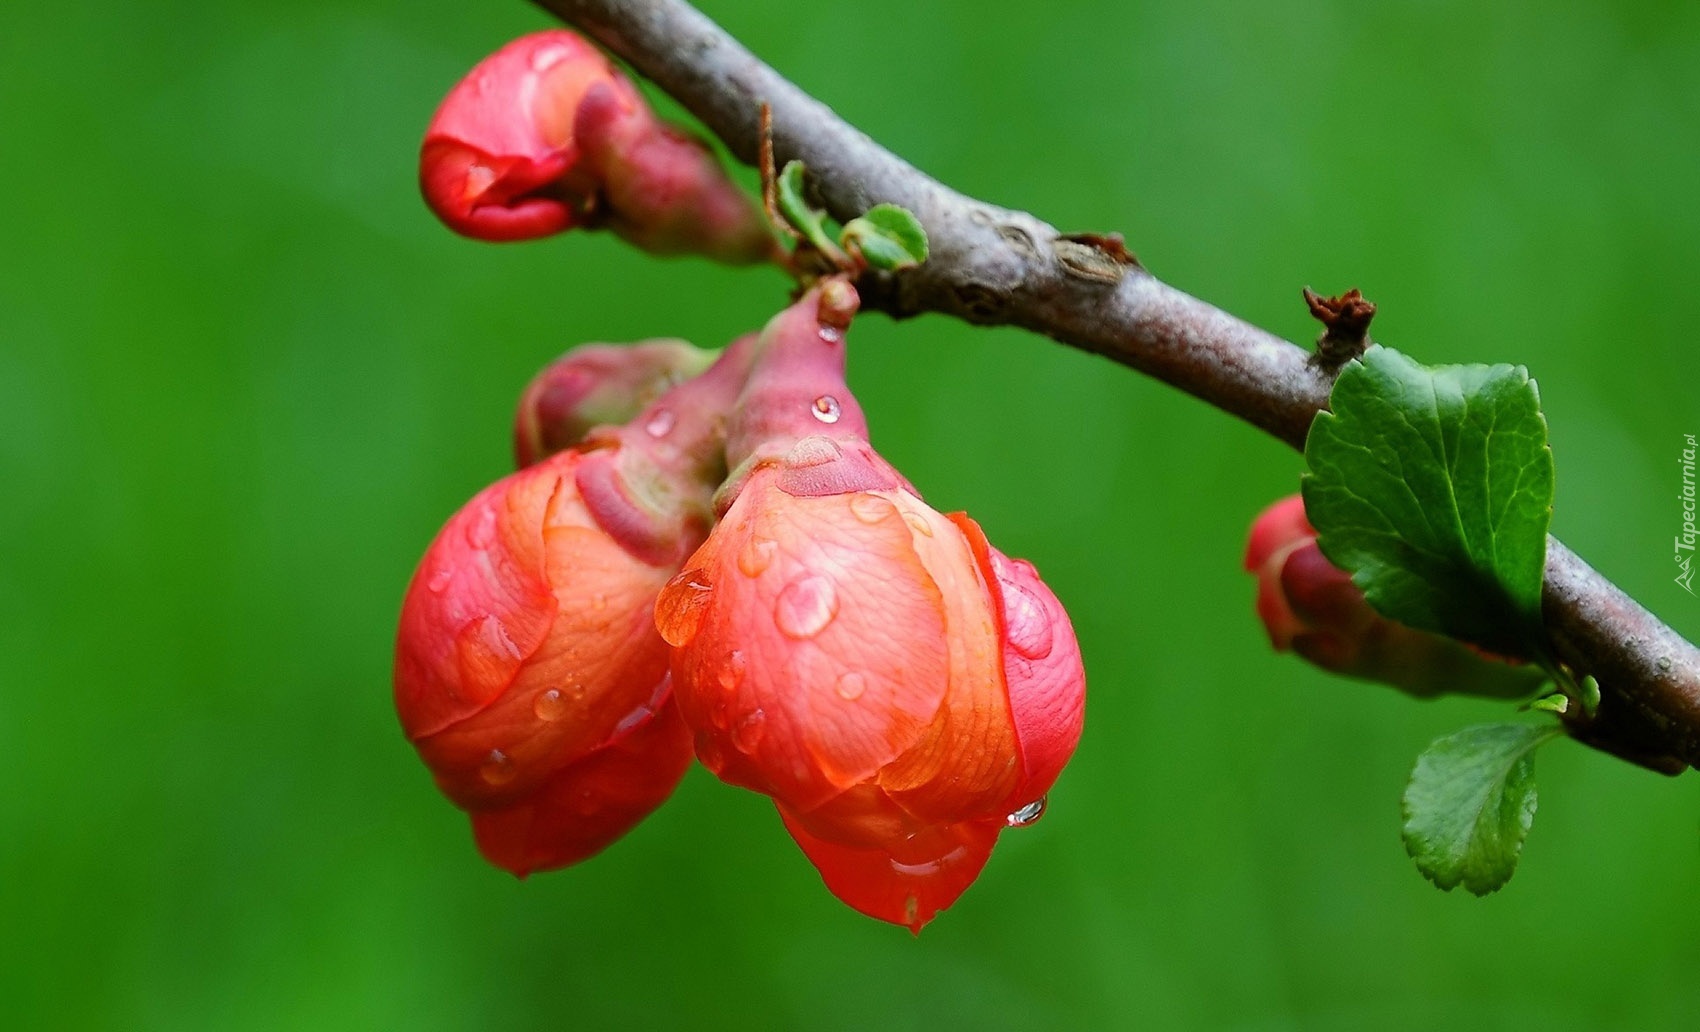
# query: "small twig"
1345,320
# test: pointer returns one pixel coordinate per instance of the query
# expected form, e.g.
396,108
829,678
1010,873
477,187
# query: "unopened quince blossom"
901,689
594,385
546,134
528,672
1310,606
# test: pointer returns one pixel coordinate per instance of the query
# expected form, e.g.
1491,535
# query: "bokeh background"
244,377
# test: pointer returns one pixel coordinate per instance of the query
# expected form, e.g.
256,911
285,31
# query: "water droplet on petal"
918,524
711,753
660,424
498,769
851,686
870,508
747,735
812,451
805,607
1026,622
679,610
1027,814
831,334
717,714
483,529
826,409
756,555
732,674
550,705
911,909
439,581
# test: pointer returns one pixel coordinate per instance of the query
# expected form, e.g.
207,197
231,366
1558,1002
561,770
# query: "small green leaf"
1470,803
889,237
1433,486
805,219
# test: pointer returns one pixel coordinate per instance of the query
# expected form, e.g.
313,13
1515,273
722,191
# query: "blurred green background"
244,377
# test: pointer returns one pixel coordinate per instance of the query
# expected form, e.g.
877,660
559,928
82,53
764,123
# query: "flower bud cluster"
702,556
733,573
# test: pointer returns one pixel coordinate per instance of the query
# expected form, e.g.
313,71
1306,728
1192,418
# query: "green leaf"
1470,803
1433,486
889,237
797,211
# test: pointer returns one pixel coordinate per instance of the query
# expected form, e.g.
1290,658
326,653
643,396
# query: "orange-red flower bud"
597,385
901,689
529,674
1310,606
546,134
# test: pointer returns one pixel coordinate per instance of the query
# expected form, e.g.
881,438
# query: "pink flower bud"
901,689
546,134
594,385
528,671
1310,606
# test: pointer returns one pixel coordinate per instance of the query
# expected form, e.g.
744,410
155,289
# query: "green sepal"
888,236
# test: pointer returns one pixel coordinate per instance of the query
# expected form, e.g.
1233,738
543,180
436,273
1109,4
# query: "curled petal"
585,806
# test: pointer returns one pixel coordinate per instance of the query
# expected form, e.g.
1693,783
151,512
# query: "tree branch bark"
993,266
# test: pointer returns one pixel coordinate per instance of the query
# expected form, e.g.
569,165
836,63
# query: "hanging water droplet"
679,610
851,686
805,607
870,508
498,769
826,409
732,674
711,753
660,424
1027,814
831,334
483,529
747,735
550,705
756,555
1026,622
439,581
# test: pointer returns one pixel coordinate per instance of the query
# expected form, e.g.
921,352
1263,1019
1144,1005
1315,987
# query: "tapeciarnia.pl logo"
1685,541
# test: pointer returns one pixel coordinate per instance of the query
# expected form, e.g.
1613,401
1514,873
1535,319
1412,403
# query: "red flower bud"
528,672
901,689
546,134
594,385
1310,606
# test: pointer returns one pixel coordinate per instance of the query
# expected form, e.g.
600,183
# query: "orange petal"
588,805
910,881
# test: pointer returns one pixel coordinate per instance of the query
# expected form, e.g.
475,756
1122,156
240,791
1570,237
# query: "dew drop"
826,409
660,424
1026,622
918,524
851,686
717,714
748,734
831,334
805,607
732,674
679,610
498,769
756,555
911,910
870,508
813,451
483,529
550,705
711,753
1027,814
439,581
